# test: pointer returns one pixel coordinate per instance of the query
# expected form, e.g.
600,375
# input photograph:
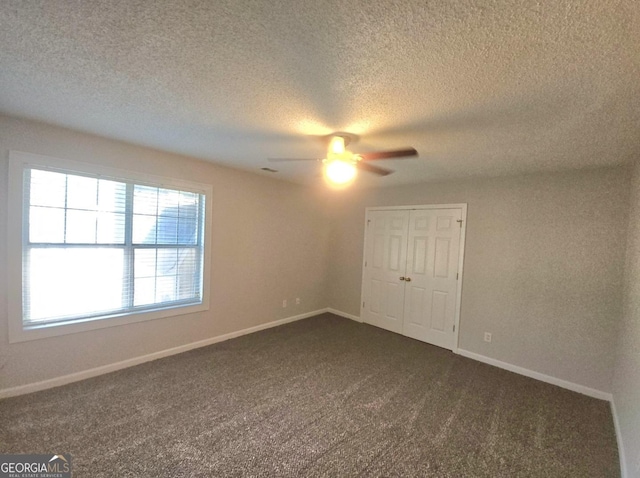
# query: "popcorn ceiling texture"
479,88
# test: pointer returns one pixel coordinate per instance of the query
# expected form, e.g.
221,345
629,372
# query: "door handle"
407,279
402,278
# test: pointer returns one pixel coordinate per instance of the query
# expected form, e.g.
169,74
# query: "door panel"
394,301
439,310
417,297
441,259
396,253
420,248
385,263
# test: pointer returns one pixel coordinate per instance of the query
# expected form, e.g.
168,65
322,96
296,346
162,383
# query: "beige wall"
543,265
626,383
269,243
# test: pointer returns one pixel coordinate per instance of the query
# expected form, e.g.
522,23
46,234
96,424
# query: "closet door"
384,269
433,251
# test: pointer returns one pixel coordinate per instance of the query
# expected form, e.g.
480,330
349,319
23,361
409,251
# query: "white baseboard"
94,372
591,392
616,424
344,314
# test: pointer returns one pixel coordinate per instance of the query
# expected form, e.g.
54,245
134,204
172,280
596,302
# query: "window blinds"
95,247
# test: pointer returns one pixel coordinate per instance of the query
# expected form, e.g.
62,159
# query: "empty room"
328,238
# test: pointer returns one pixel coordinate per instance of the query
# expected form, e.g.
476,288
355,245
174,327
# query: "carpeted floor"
320,397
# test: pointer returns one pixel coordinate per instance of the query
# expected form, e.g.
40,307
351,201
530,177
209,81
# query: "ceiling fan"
340,165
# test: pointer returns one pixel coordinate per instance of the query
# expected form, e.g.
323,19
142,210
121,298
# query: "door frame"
463,233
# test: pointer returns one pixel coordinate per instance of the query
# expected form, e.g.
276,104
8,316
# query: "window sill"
18,333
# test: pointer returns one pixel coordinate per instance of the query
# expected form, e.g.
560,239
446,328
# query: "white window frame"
18,161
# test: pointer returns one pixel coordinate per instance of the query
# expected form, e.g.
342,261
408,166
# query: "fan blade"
399,153
373,169
282,160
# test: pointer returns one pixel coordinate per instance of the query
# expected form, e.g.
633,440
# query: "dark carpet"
324,396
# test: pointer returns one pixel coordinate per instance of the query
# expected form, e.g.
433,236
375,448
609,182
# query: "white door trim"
417,206
463,215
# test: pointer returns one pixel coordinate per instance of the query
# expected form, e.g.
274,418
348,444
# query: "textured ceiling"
477,87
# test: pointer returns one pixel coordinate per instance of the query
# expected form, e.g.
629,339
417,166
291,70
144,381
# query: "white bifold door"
411,272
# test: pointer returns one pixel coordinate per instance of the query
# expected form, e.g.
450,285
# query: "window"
101,248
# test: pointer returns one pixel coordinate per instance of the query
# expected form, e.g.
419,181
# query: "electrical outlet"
297,300
487,336
284,304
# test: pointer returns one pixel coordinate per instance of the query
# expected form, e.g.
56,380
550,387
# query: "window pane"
48,188
112,196
144,229
168,200
81,227
166,270
145,200
46,224
145,291
167,227
167,261
166,274
176,221
63,282
187,230
82,193
165,289
187,287
145,263
188,277
188,201
110,228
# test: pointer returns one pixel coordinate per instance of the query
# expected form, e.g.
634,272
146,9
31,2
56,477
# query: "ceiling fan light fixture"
336,145
339,172
340,165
